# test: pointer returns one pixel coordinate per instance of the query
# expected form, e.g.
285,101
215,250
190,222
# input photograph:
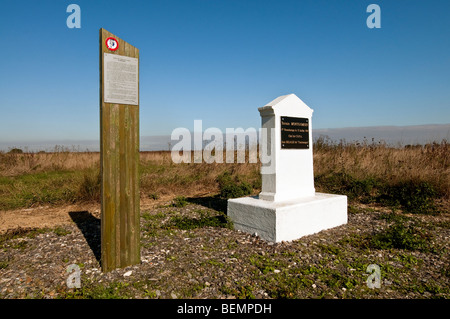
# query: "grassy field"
415,178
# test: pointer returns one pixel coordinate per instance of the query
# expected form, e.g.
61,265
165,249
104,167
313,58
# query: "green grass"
180,201
408,261
400,236
28,233
60,231
344,183
49,188
169,221
92,290
413,197
21,233
395,217
266,264
239,291
408,195
188,223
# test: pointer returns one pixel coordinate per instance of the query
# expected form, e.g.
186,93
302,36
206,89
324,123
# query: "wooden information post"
119,152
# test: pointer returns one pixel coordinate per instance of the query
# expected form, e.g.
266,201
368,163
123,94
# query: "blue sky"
219,60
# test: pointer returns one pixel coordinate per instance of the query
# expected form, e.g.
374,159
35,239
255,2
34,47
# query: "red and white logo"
112,44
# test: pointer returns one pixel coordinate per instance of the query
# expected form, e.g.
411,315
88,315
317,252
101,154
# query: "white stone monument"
288,206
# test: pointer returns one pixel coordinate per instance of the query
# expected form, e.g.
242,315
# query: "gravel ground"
192,252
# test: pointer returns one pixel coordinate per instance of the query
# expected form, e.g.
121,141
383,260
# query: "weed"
242,291
394,217
16,151
150,293
180,201
408,260
20,245
446,271
285,286
344,183
61,231
232,187
188,223
412,196
330,249
90,187
153,196
171,258
401,236
38,188
435,289
335,279
20,233
356,240
216,263
153,217
353,210
90,290
264,263
396,236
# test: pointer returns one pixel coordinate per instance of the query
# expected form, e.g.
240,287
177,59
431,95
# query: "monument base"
287,220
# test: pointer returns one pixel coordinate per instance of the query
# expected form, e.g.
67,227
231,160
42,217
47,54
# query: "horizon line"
165,135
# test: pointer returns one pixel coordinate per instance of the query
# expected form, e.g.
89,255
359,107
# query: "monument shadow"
213,202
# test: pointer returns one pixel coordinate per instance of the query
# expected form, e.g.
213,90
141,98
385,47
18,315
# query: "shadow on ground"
213,202
90,228
90,225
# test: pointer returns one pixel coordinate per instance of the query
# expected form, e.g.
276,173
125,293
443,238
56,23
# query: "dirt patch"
40,217
54,216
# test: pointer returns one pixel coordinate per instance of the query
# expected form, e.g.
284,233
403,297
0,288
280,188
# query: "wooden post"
119,152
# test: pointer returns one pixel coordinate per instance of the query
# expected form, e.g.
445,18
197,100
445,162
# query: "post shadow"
90,228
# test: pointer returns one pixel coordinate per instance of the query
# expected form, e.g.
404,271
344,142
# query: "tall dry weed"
429,164
379,163
12,164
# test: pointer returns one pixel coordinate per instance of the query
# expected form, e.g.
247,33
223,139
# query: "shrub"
232,187
413,197
179,201
343,183
15,151
90,187
400,236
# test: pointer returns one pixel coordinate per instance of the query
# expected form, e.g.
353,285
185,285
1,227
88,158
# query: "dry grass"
418,164
29,178
27,163
159,175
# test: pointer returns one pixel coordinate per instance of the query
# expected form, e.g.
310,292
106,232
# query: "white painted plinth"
289,220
